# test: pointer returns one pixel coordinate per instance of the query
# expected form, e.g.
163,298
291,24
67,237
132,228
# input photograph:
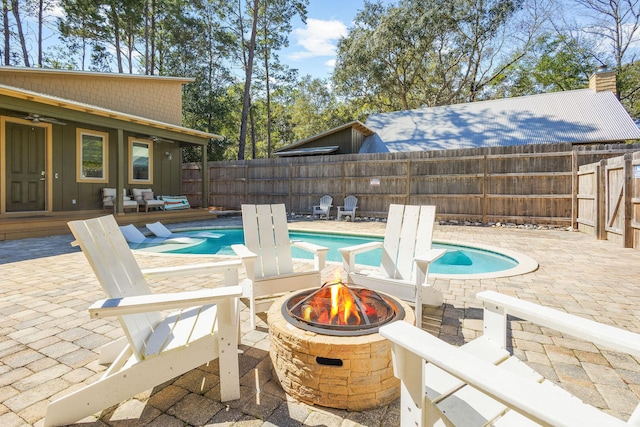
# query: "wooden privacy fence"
519,184
609,199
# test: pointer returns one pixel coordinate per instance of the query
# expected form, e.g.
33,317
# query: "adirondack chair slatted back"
325,202
409,233
114,265
350,203
266,234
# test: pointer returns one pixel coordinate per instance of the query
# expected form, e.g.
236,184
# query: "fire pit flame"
335,306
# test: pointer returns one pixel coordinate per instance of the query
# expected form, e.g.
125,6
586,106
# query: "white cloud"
330,63
318,38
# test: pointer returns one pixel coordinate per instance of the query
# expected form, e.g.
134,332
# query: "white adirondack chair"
156,348
266,255
406,256
349,208
326,202
480,383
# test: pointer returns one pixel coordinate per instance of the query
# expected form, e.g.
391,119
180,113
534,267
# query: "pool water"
458,259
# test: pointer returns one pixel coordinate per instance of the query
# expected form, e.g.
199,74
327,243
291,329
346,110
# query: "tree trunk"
253,130
15,6
266,70
146,37
40,24
115,22
153,37
247,82
7,44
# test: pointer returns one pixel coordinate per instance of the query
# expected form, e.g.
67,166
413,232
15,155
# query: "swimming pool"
459,260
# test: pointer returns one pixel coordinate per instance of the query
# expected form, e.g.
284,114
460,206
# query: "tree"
614,21
246,98
276,25
385,57
629,87
15,8
554,63
450,51
80,30
7,32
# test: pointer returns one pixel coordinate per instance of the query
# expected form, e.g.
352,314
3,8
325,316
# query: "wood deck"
20,226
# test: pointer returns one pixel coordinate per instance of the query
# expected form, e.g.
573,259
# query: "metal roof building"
577,116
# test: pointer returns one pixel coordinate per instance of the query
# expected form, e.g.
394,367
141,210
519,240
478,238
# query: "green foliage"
443,54
554,63
629,88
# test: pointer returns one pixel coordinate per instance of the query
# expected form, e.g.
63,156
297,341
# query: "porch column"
121,169
205,176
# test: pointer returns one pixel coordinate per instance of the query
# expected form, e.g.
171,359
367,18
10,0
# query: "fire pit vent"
337,309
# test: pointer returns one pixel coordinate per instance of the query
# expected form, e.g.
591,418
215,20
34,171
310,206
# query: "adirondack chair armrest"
524,395
498,306
243,252
429,256
248,259
203,268
155,302
349,254
319,252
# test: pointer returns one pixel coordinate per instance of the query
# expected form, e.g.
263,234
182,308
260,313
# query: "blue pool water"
458,259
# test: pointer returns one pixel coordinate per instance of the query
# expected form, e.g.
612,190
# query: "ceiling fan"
36,118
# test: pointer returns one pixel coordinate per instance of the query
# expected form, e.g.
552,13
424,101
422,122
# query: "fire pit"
325,348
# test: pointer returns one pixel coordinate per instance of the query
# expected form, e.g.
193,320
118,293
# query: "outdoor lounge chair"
146,199
160,230
324,207
156,347
109,195
349,208
406,256
266,255
134,236
481,383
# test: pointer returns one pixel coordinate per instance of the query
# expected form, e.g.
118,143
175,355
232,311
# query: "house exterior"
65,135
586,116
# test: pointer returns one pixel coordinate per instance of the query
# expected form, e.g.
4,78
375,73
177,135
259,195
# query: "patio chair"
157,348
109,196
406,256
481,383
160,230
324,207
349,208
266,255
146,199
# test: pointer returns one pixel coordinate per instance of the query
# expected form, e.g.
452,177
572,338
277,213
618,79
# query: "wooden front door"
25,168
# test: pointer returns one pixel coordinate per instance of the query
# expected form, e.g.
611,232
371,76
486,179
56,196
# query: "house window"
140,161
92,150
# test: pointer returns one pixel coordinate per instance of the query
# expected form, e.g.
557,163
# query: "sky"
312,47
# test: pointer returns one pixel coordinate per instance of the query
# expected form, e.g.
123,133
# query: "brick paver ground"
48,343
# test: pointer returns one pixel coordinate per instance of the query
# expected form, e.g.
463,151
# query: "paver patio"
48,343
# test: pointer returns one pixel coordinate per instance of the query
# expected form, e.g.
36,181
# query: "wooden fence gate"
609,199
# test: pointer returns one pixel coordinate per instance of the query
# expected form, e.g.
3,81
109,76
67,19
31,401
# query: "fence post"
484,188
601,186
627,231
574,189
408,188
290,197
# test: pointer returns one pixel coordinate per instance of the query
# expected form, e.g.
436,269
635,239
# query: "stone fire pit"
344,372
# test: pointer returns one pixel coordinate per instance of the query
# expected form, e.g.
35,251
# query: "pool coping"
526,264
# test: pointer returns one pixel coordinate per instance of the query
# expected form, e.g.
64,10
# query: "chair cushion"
147,195
176,202
137,193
